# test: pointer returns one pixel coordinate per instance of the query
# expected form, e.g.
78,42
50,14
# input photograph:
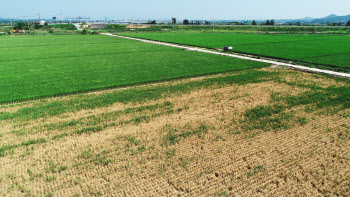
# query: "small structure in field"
226,48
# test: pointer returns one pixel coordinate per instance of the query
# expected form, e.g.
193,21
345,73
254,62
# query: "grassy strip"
174,135
93,123
59,136
274,117
90,130
5,148
267,118
334,99
103,118
96,121
133,95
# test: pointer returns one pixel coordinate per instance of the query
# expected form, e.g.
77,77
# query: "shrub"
85,31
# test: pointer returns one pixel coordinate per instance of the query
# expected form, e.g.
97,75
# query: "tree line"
254,22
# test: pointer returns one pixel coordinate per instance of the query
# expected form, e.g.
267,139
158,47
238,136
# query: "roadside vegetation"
70,29
258,29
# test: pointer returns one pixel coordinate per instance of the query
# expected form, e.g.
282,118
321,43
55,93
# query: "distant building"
41,22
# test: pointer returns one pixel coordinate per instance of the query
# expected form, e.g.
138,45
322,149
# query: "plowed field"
258,132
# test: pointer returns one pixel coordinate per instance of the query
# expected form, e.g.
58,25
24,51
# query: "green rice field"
329,51
36,67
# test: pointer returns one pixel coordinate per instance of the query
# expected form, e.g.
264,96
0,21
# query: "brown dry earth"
138,26
219,158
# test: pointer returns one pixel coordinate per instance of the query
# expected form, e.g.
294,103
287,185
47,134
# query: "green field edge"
131,85
304,63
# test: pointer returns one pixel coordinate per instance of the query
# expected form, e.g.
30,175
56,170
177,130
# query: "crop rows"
317,49
34,67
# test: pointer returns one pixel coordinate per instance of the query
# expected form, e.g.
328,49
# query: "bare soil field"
138,26
265,132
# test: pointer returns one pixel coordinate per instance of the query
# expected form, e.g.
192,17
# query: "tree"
186,22
85,31
268,22
272,22
37,26
207,22
173,21
19,26
254,22
348,23
152,22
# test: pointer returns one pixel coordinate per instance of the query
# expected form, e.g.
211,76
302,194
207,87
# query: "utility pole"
315,30
213,25
28,24
172,21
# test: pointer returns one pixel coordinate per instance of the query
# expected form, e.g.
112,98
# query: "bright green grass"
333,51
34,67
219,40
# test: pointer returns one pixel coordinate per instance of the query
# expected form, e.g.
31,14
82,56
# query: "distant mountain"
332,19
303,20
330,16
328,19
307,19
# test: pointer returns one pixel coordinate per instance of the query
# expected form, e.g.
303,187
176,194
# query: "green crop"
35,67
330,51
132,95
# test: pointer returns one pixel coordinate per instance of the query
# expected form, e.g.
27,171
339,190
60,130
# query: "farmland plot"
257,132
329,51
34,67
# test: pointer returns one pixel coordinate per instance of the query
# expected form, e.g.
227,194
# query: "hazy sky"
163,9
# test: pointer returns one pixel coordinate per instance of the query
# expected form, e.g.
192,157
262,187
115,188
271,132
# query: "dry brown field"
267,132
